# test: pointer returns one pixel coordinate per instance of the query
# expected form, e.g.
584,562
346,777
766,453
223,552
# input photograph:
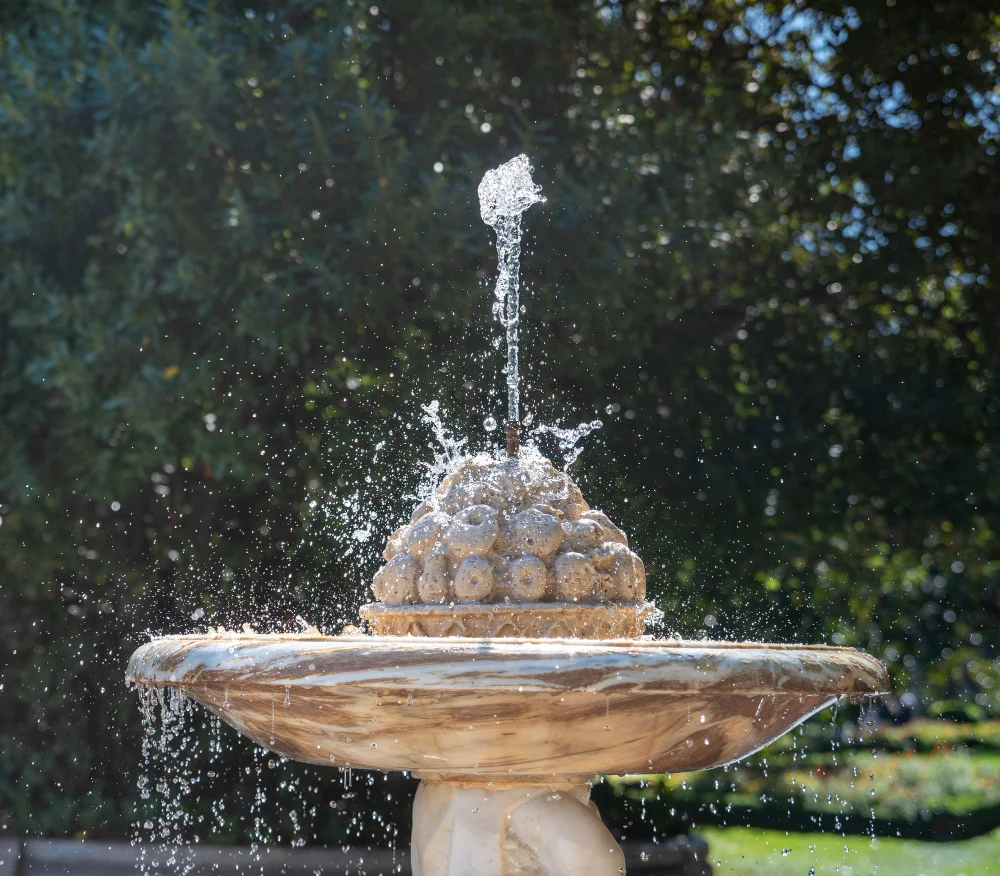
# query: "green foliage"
957,710
944,795
755,852
925,778
926,735
918,734
900,787
240,245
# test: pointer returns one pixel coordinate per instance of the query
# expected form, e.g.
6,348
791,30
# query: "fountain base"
488,828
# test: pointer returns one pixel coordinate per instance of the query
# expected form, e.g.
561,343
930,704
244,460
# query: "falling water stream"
504,194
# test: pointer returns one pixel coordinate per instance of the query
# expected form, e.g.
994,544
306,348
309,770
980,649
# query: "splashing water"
569,438
504,194
448,452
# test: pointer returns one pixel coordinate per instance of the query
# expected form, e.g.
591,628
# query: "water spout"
504,194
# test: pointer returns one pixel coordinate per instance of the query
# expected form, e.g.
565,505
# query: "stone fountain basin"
518,709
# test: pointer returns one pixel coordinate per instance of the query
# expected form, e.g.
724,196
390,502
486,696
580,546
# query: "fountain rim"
645,642
650,665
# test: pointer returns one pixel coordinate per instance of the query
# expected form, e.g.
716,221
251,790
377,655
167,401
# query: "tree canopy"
241,246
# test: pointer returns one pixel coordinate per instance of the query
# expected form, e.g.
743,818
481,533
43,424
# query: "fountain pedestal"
488,828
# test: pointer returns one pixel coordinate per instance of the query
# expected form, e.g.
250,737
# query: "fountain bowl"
506,710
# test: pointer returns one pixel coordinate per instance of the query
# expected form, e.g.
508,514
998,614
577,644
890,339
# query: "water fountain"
506,666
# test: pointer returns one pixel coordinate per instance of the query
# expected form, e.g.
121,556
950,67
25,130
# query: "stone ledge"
678,856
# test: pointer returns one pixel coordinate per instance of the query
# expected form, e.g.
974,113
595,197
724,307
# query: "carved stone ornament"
509,548
540,830
539,620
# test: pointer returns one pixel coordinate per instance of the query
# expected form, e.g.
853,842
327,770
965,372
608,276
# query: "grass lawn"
743,851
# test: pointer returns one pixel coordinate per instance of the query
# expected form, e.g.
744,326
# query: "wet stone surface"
508,531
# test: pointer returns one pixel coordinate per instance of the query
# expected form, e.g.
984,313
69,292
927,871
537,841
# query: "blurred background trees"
240,247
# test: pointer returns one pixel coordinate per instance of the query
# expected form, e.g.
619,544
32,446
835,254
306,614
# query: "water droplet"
489,424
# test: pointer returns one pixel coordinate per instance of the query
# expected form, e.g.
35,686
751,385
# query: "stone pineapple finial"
500,537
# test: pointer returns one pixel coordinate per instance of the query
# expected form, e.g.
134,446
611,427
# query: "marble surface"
505,708
529,830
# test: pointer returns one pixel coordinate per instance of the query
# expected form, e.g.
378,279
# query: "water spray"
504,194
